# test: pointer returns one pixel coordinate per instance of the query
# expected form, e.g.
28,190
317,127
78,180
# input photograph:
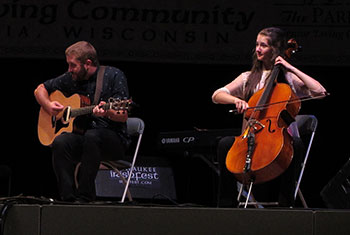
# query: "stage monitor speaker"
150,179
336,194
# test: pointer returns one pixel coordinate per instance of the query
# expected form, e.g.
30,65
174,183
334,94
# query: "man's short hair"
83,50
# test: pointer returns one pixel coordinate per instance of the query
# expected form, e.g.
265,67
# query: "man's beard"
81,75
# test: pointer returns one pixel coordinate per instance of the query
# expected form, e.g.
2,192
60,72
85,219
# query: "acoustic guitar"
51,126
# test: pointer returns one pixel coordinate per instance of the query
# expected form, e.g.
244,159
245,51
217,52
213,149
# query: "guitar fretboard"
87,110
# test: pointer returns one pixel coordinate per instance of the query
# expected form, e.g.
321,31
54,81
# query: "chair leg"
240,193
297,188
249,197
302,198
116,170
249,193
108,166
125,183
250,200
131,168
76,171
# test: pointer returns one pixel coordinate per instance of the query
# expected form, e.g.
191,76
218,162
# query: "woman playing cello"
271,44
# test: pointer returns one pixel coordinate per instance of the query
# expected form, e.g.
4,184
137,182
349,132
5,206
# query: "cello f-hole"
269,123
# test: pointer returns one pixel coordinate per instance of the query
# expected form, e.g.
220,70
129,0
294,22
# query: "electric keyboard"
194,139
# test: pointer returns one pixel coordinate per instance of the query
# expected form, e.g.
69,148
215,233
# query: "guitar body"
74,106
51,126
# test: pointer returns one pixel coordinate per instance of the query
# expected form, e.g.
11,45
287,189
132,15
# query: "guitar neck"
87,110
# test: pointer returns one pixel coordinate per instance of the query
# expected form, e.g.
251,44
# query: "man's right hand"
51,107
54,108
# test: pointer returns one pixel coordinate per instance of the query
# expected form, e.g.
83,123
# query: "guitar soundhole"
59,125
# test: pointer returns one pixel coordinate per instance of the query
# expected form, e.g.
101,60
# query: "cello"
265,148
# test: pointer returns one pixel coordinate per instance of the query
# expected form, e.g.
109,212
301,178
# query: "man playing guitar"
104,134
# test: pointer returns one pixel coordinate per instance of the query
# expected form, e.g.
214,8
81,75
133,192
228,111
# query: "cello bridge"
258,123
253,125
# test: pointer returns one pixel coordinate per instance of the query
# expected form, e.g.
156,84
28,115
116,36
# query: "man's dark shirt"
114,85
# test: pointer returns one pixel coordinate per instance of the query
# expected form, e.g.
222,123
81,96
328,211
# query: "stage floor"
51,219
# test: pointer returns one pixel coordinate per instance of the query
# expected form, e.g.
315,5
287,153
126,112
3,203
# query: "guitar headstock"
119,104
